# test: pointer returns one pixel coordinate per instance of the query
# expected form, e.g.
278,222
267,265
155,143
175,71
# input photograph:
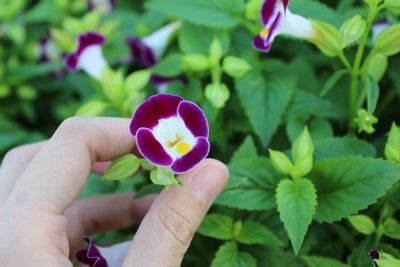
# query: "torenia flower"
88,56
47,50
102,6
277,19
148,50
171,132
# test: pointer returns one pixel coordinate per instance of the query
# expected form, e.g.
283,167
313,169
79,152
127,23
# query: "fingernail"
209,181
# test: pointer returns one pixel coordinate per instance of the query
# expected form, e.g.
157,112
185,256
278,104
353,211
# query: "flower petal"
268,11
151,149
88,39
259,43
91,256
141,52
285,3
194,118
71,62
157,107
191,159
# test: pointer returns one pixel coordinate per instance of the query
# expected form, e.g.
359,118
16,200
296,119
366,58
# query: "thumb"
167,230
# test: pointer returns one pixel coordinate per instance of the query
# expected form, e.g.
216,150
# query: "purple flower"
149,49
47,50
379,27
95,256
171,132
277,19
102,6
88,56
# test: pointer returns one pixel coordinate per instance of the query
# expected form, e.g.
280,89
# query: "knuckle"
71,124
178,225
16,154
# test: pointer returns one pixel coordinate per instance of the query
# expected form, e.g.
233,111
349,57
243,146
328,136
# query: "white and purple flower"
47,50
277,19
171,132
379,27
102,6
88,56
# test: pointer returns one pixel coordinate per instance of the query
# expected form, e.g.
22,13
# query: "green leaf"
362,224
255,233
169,66
391,228
372,88
264,103
296,205
346,185
319,128
228,255
246,150
10,133
92,108
388,263
332,81
30,71
217,226
316,261
342,146
122,168
202,12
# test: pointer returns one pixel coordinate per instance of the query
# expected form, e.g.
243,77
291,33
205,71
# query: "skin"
42,221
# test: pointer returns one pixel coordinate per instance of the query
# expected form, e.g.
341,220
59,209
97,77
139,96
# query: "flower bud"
365,121
392,148
5,90
351,31
217,94
63,41
215,51
252,10
26,92
302,147
303,167
392,153
235,67
326,38
377,66
92,109
280,162
237,228
163,176
393,5
196,62
363,224
388,41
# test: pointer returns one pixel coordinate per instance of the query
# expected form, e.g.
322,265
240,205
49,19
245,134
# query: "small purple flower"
379,27
277,19
149,49
102,6
171,132
88,56
47,50
95,256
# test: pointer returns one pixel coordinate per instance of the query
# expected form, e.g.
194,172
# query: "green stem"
345,61
357,65
249,26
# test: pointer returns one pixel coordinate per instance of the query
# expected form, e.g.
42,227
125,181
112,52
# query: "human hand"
42,223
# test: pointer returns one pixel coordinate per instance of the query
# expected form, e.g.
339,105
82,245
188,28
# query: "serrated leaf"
122,168
372,88
228,255
319,128
296,205
347,185
202,12
332,81
255,233
342,146
264,103
316,261
217,226
246,150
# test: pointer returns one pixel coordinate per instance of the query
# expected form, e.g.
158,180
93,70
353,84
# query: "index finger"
58,173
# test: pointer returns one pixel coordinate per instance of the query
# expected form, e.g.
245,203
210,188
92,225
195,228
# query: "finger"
100,167
101,214
14,164
166,231
59,171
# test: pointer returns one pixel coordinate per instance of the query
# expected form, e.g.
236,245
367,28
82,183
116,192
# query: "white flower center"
174,136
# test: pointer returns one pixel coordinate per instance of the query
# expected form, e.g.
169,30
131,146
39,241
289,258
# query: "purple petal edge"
141,52
195,156
267,11
91,256
194,118
259,44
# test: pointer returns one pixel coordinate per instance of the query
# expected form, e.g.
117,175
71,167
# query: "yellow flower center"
182,148
264,32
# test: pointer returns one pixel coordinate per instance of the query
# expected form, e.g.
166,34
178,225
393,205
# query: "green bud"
163,176
388,41
362,224
215,51
92,109
280,162
90,21
73,26
5,90
393,5
326,38
218,94
302,167
136,81
237,228
373,3
122,168
16,33
196,62
352,30
392,148
394,135
252,10
377,66
109,27
26,92
63,40
392,153
303,146
235,67
365,121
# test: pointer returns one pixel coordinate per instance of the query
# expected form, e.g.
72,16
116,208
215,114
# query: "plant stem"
345,61
357,65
